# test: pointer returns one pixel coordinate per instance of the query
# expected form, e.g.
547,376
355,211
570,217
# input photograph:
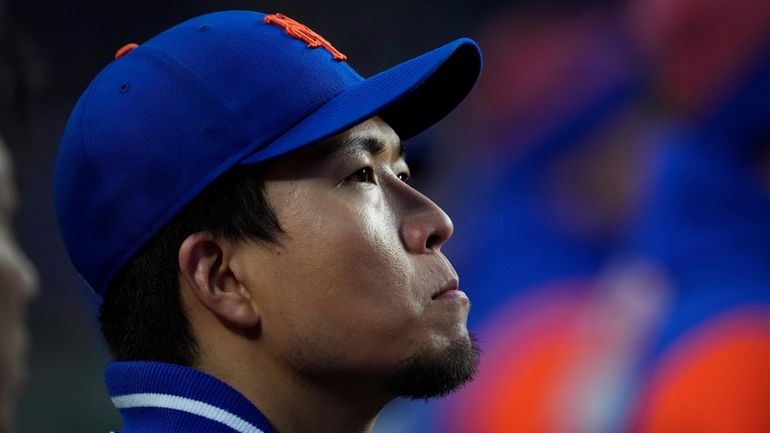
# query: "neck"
292,401
295,403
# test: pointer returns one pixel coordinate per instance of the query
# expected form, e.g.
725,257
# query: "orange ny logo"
304,33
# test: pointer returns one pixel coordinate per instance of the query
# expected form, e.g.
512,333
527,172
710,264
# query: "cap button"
124,50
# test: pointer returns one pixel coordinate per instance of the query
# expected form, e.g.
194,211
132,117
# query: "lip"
449,290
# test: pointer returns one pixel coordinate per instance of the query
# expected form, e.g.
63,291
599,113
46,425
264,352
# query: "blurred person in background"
18,285
556,123
706,221
18,277
561,124
672,332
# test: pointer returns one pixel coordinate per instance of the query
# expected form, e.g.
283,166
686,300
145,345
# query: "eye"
363,175
405,177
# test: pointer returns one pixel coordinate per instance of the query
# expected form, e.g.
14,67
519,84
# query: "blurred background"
609,181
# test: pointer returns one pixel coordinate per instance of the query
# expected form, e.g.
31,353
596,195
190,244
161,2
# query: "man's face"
18,283
357,286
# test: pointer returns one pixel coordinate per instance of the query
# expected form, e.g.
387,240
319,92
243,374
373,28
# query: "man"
18,284
239,196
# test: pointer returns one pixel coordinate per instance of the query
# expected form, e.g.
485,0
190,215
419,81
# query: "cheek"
351,256
345,279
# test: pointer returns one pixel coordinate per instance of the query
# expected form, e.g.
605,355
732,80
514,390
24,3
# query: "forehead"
373,136
374,127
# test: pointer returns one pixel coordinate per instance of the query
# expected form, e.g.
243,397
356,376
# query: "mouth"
448,291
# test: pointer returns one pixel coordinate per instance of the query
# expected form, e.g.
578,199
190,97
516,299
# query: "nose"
425,227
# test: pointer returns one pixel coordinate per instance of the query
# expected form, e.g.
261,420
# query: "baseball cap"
169,116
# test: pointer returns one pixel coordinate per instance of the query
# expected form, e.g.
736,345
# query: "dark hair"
142,317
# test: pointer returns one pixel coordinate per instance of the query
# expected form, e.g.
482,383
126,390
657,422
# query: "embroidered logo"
304,33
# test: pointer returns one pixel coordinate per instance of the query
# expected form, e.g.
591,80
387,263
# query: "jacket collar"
159,397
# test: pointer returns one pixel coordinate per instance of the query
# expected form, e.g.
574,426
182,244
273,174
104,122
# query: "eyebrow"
369,144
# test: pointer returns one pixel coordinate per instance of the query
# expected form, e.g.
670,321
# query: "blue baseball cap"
168,117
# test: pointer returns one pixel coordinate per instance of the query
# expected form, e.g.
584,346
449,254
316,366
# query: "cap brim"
410,97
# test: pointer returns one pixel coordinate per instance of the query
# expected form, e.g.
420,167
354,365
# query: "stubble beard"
431,374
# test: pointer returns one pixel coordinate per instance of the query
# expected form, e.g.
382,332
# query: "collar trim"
195,407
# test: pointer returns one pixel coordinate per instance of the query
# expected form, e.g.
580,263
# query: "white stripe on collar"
195,407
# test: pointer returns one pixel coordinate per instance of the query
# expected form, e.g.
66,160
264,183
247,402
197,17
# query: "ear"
204,267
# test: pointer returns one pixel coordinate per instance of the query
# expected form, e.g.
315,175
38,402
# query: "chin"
432,373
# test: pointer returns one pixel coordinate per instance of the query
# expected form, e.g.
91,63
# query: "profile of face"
357,286
18,284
